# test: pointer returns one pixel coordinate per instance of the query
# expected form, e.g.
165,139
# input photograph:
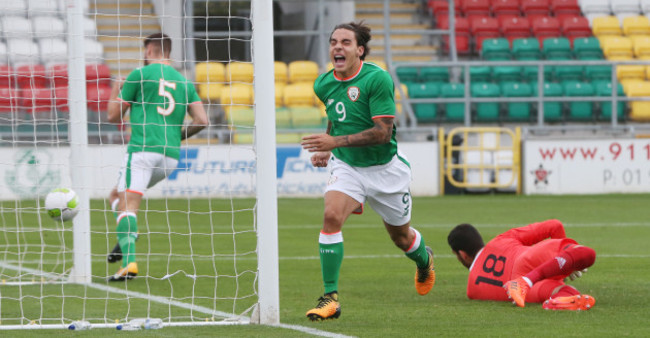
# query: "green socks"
331,257
127,229
418,251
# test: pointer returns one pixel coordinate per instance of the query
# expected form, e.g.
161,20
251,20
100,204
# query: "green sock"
418,252
127,230
331,257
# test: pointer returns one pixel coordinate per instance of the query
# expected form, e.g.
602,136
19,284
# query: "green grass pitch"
376,286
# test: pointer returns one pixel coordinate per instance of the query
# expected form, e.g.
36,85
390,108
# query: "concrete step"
121,41
128,30
405,58
125,19
395,19
378,8
405,50
398,40
123,7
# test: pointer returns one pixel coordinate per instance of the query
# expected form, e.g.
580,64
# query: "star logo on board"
353,93
541,175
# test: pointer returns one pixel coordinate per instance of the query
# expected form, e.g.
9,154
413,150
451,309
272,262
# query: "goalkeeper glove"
575,274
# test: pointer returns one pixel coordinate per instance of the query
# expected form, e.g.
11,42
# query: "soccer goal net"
206,240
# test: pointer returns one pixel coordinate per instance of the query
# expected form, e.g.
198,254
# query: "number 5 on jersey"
171,103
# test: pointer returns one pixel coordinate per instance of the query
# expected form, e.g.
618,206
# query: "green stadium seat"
568,73
480,74
582,110
517,111
455,112
486,111
596,73
307,117
587,49
526,49
434,74
424,112
240,116
557,49
605,89
496,49
530,73
282,118
507,73
552,110
407,74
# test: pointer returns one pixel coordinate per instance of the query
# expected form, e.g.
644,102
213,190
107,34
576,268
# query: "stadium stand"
303,71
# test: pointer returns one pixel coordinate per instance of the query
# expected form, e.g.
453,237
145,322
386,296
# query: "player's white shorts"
385,187
143,170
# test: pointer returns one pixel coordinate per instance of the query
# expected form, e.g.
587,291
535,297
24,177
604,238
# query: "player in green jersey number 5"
365,164
159,98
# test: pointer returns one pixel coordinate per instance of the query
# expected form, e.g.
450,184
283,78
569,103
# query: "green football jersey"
159,96
352,103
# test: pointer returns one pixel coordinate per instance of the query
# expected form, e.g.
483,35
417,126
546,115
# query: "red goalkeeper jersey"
512,254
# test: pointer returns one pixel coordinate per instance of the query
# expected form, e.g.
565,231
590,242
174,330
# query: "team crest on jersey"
353,93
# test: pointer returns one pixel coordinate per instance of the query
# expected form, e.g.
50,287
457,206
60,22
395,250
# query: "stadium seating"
454,112
283,118
605,89
210,72
307,117
42,7
587,49
240,116
606,25
239,72
462,31
13,7
236,95
281,72
35,100
595,8
526,49
303,71
507,73
486,111
93,51
483,28
552,110
53,50
565,9
98,96
58,75
279,94
7,77
514,27
424,112
98,72
625,8
579,110
48,27
535,8
641,46
475,8
299,94
505,8
639,110
31,76
480,74
545,27
557,49
636,26
434,74
407,74
517,111
575,27
210,91
617,48
22,52
440,9
8,100
496,49
16,27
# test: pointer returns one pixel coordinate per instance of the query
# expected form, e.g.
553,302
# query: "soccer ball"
61,204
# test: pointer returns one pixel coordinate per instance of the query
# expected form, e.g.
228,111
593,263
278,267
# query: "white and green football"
61,204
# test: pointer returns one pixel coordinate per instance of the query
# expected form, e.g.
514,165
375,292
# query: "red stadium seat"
98,72
563,9
98,97
440,8
535,8
475,8
8,100
576,27
484,28
514,27
31,76
35,100
61,99
462,34
505,8
546,27
7,77
58,75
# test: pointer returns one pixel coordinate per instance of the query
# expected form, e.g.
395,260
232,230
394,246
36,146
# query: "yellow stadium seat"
398,106
282,118
287,138
210,72
240,117
640,110
299,94
237,94
641,46
617,48
210,91
626,72
307,117
243,137
647,72
627,84
303,71
281,75
279,94
636,26
606,25
239,72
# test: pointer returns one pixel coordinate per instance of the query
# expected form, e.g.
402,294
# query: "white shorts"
385,187
143,170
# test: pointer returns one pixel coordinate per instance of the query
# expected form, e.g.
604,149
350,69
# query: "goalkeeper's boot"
115,255
517,290
571,303
426,277
122,274
328,308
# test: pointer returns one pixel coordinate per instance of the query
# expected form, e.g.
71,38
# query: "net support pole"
78,131
265,149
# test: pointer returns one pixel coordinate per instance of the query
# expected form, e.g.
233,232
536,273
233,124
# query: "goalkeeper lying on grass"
530,263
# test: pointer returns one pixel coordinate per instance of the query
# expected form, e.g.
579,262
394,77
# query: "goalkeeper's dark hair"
465,237
162,42
361,33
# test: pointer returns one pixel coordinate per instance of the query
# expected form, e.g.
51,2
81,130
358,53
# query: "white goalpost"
207,242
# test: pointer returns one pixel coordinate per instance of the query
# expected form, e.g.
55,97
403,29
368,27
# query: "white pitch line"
166,301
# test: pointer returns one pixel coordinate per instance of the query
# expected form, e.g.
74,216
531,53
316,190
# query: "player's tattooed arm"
380,133
329,127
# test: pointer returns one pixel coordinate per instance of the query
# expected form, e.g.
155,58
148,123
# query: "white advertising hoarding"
586,166
203,171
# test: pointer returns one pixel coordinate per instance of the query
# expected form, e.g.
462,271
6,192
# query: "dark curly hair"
361,33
